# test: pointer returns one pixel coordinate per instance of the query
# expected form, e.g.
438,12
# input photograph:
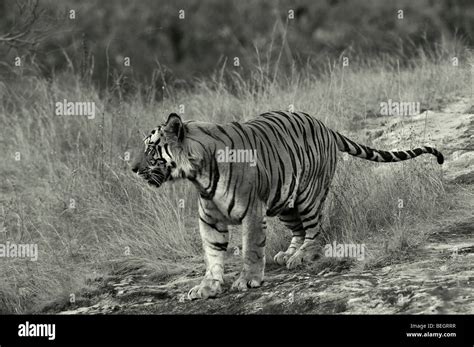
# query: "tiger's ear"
174,127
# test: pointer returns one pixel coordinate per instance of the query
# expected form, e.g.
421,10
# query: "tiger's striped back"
295,153
304,153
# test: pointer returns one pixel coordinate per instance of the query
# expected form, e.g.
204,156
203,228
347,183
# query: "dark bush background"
215,31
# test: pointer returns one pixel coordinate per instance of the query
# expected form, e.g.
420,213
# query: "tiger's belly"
235,199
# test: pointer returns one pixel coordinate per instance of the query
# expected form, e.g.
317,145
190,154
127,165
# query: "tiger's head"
164,156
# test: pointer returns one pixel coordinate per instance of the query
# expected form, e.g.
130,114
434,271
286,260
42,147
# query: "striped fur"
293,165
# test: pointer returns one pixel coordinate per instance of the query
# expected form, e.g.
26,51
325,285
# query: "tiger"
277,164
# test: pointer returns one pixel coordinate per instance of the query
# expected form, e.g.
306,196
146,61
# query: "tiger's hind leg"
310,215
291,218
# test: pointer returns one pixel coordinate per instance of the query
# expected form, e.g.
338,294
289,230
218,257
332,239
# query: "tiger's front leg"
214,237
253,250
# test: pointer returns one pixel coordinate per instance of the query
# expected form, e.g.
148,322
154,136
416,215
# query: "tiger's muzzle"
155,177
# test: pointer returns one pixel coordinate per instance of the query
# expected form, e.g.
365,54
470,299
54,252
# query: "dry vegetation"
120,221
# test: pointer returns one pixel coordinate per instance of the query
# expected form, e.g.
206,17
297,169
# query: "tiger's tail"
364,152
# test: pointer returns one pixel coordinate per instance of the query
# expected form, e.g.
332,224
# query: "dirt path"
439,278
450,130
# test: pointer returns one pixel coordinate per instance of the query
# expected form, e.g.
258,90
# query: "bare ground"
436,278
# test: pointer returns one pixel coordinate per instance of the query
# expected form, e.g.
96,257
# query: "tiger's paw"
281,258
301,256
208,288
245,282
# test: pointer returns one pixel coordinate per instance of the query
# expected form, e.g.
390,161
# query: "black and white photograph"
258,159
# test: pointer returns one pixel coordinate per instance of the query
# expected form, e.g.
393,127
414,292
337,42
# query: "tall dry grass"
74,195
